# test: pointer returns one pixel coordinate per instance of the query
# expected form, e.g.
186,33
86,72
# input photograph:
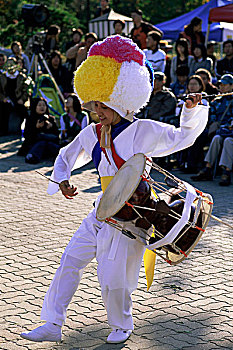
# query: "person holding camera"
41,133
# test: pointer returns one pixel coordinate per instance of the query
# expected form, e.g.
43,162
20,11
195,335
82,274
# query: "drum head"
122,187
206,210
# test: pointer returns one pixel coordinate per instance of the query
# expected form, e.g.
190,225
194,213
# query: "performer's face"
105,113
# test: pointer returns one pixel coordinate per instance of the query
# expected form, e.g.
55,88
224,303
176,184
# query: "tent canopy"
103,25
176,25
221,14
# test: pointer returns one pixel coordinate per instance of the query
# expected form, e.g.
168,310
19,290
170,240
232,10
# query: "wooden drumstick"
185,97
219,220
48,178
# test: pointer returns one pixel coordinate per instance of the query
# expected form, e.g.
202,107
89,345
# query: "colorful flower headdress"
115,73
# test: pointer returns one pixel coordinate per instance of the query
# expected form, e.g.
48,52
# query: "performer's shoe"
47,332
118,336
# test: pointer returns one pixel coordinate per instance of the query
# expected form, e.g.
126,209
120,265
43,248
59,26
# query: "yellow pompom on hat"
114,73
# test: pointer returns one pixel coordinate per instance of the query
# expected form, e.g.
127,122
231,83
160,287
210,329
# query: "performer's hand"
192,100
67,190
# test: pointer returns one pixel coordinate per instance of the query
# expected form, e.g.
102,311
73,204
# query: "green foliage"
75,13
14,28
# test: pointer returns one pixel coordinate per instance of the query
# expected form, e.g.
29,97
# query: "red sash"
117,159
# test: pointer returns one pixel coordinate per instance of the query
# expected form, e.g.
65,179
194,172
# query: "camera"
43,118
37,44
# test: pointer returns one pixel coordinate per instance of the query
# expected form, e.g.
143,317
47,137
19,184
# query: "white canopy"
103,25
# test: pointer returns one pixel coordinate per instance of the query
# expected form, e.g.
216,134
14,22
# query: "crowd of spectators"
182,67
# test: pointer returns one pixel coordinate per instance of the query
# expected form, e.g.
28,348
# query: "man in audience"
221,108
103,8
16,49
222,144
119,25
154,55
3,60
162,104
225,65
80,53
221,112
13,96
210,89
210,52
140,30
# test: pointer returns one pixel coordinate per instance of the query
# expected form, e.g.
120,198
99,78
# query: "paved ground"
188,307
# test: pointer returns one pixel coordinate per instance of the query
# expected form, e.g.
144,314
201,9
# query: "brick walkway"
188,307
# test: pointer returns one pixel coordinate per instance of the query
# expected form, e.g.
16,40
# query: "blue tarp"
176,25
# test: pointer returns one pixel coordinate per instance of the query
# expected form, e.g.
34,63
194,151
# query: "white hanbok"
119,258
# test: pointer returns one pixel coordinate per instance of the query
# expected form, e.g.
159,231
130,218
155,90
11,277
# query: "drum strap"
117,159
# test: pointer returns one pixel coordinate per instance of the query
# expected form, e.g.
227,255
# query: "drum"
162,212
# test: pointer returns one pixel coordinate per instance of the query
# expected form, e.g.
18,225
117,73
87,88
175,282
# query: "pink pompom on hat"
115,74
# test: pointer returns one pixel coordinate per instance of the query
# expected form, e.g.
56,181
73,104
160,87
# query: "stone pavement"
189,306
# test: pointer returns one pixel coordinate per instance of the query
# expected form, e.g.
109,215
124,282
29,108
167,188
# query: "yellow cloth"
149,259
149,264
105,181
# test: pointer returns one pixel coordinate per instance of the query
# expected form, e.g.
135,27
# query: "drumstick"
49,179
185,97
219,220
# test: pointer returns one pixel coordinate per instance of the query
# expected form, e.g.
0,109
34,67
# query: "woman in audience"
58,71
41,133
73,121
193,33
200,59
182,58
192,158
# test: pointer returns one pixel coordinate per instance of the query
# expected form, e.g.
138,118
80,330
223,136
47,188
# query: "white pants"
119,260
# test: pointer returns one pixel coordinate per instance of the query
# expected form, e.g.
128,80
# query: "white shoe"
118,336
47,332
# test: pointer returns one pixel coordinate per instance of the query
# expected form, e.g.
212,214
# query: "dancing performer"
115,82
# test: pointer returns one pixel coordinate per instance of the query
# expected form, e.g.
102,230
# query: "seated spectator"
102,9
3,60
119,25
80,53
221,144
76,38
182,58
225,65
51,41
58,71
154,55
162,104
13,96
221,108
73,121
210,89
190,159
41,134
210,52
140,29
16,49
200,59
180,86
71,62
167,48
193,33
220,115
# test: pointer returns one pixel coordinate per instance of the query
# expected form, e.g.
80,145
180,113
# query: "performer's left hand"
67,190
192,100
